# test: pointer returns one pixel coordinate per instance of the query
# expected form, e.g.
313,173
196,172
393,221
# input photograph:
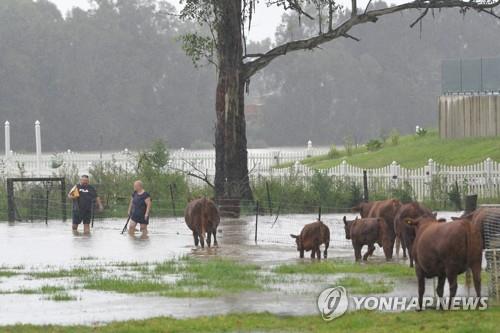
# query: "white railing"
481,178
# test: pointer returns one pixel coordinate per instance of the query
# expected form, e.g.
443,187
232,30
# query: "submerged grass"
336,267
196,278
360,321
357,285
62,273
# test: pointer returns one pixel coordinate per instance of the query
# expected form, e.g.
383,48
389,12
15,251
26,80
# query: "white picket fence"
481,178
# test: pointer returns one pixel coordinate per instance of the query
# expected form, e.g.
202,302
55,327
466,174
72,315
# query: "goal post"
12,210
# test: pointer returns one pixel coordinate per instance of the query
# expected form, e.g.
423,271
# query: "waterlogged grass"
360,286
195,278
7,273
337,267
360,321
64,273
53,293
61,297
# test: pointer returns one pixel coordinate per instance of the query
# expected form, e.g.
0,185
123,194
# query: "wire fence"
491,234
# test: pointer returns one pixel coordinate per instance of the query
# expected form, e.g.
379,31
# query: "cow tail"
204,219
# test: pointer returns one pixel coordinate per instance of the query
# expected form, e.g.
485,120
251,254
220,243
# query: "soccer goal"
35,199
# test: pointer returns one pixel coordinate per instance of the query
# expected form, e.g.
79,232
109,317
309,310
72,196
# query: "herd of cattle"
438,248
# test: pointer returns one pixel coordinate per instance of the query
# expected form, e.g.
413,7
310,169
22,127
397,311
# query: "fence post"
172,198
7,139
488,170
47,193
319,213
10,200
365,186
269,199
256,219
38,144
63,198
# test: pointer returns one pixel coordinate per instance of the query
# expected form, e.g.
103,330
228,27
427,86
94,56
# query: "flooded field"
28,294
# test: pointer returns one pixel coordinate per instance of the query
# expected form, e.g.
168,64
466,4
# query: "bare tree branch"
195,173
251,67
420,17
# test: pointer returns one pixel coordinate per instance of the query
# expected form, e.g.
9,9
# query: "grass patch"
61,297
413,152
361,321
359,286
196,278
336,267
88,258
8,273
62,273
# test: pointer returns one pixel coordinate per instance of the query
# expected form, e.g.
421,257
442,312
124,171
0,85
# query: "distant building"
469,105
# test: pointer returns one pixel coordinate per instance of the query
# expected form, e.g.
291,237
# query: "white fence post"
488,167
7,139
38,143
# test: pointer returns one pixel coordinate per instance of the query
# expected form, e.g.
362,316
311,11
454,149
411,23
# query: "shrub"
334,153
373,145
394,136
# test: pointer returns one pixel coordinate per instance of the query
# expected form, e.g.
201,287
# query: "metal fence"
470,75
491,232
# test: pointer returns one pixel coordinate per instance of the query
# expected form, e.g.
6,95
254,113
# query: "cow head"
298,241
347,228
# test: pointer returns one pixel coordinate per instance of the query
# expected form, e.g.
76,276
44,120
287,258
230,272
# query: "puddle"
37,247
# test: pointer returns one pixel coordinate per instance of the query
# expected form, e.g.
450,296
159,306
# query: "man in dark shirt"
84,198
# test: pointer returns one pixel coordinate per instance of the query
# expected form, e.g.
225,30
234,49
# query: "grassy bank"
412,152
361,321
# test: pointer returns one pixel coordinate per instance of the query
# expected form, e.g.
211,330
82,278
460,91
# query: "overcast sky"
263,24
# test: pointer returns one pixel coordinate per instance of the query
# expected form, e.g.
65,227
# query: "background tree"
226,48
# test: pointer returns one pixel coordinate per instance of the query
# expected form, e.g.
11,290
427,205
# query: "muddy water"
36,246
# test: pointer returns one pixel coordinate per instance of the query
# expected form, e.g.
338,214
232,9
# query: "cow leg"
398,245
202,240
318,253
403,246
209,238
325,253
421,286
301,253
476,276
357,252
313,252
452,281
440,290
409,244
369,252
215,237
195,236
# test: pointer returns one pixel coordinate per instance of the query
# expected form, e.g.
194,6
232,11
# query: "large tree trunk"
231,163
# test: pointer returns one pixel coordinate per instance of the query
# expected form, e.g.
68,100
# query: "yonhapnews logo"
334,302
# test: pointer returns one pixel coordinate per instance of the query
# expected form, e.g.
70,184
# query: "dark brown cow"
364,208
387,210
202,217
445,250
406,232
367,231
311,237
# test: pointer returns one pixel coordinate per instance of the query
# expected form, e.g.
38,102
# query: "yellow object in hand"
75,193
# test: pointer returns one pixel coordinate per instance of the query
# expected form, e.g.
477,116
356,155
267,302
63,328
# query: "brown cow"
406,232
202,217
387,210
364,208
311,237
367,231
445,250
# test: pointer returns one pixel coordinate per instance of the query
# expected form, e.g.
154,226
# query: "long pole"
38,143
172,198
270,205
256,219
126,224
7,139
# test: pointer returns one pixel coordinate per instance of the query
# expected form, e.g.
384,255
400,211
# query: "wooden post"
365,186
256,219
10,200
319,213
495,276
63,198
270,205
47,193
172,198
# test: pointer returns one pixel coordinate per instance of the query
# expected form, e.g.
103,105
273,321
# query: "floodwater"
36,246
